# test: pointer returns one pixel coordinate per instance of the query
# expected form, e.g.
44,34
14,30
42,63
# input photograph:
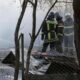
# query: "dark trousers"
45,45
59,47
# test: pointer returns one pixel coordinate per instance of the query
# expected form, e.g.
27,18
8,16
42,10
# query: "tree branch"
45,17
30,35
31,2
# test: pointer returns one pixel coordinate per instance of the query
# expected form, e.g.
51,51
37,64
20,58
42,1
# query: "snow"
7,72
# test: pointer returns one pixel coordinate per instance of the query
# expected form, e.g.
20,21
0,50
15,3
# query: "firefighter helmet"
51,16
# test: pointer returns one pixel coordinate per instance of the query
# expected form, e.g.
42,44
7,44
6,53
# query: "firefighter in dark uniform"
59,32
49,32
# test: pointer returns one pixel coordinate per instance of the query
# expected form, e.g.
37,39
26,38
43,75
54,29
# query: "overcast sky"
9,13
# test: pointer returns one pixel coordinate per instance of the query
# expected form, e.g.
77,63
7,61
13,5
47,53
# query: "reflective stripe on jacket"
68,30
49,31
68,26
48,28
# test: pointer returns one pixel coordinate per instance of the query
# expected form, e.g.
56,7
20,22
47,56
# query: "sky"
8,18
9,14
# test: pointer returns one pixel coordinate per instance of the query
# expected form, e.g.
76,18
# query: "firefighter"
68,34
49,32
59,33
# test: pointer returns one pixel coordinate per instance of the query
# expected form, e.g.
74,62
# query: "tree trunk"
32,39
17,51
76,7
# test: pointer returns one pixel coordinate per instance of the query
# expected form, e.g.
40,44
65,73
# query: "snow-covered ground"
37,66
7,73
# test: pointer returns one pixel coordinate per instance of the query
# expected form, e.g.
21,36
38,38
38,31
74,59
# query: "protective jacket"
59,47
68,27
49,31
60,28
69,35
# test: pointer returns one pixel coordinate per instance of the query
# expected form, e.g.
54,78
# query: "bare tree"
17,50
